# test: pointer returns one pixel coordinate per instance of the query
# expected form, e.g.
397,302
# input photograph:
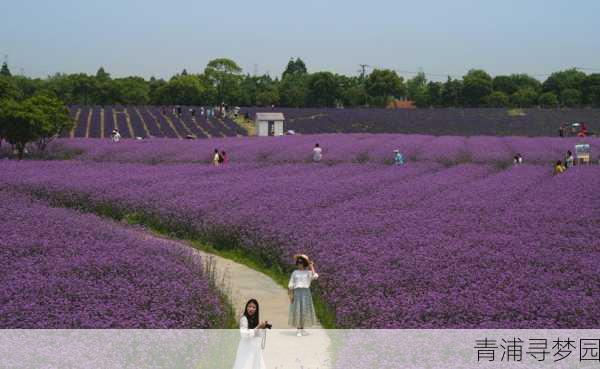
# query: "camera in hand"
268,326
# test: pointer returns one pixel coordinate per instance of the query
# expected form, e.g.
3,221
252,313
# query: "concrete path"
283,349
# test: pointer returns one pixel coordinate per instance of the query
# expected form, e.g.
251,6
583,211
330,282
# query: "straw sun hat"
302,256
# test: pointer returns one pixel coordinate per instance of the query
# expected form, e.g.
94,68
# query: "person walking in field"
569,160
317,153
216,158
301,310
115,135
249,353
398,158
223,159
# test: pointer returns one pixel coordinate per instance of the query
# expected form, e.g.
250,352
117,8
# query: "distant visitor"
115,135
317,153
398,158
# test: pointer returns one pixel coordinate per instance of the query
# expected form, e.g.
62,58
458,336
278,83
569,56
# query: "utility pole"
363,67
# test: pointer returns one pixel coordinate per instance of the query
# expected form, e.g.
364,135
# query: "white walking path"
283,349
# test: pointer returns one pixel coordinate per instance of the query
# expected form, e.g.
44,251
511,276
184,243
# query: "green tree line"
222,80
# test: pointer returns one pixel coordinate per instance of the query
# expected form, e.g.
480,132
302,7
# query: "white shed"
269,124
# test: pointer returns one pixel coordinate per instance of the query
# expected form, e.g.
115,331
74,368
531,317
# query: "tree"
40,118
477,85
352,91
323,90
524,97
522,81
18,120
452,93
294,67
434,93
83,88
51,118
225,76
497,99
382,84
416,88
154,86
548,100
563,80
180,90
416,85
504,84
131,91
293,90
28,87
8,88
4,71
591,90
571,97
102,75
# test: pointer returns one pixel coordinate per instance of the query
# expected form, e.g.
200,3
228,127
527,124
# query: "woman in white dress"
301,311
249,353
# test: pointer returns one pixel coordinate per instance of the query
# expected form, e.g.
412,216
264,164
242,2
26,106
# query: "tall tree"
563,80
131,91
293,90
102,75
51,118
225,76
4,71
434,93
323,89
591,90
477,86
180,90
295,67
452,93
383,84
8,88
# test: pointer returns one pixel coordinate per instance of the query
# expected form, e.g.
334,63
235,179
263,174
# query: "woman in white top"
301,311
216,158
249,353
317,153
116,136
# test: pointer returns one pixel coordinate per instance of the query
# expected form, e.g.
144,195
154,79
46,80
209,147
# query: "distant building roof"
270,116
401,104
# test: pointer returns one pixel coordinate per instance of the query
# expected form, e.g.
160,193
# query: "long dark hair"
252,320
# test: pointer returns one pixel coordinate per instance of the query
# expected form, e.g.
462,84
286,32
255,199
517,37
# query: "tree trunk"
20,151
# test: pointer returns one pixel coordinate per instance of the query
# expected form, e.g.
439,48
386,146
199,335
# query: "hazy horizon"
150,38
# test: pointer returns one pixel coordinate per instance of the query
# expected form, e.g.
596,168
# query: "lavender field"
438,121
63,269
337,148
456,238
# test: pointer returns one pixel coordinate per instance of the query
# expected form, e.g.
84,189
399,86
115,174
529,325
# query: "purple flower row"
371,148
64,269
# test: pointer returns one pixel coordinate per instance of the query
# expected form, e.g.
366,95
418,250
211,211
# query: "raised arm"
314,274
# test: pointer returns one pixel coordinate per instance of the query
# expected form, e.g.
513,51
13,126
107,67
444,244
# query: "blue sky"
160,38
